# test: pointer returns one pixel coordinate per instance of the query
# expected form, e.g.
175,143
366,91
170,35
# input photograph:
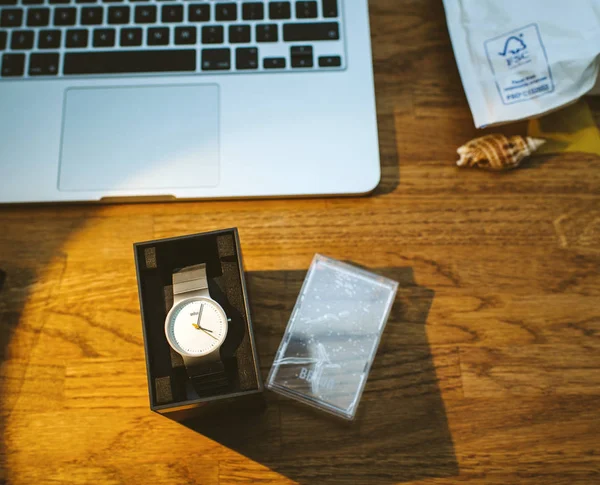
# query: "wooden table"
489,370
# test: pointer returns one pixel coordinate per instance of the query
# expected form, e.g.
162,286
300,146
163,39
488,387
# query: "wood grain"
489,369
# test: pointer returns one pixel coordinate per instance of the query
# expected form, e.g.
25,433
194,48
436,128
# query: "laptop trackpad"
140,137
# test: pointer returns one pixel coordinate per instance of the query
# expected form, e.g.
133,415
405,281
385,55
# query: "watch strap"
190,279
208,378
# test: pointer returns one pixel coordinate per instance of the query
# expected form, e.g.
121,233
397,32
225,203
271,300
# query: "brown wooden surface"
488,372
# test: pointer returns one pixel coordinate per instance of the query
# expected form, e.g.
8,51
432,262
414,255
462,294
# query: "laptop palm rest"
140,138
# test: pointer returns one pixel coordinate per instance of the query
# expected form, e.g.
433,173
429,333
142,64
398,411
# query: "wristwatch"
196,327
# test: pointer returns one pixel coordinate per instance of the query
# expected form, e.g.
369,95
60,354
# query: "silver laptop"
185,99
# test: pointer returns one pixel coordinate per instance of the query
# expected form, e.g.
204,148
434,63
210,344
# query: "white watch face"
196,326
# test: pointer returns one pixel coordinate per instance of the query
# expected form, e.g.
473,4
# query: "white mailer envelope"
522,58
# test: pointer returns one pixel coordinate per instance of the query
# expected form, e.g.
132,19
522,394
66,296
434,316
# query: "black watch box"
169,387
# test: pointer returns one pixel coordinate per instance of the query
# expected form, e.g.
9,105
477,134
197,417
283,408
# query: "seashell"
497,152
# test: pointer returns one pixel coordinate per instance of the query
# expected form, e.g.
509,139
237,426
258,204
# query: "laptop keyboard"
60,38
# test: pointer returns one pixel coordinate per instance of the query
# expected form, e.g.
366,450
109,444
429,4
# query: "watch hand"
200,314
197,324
206,332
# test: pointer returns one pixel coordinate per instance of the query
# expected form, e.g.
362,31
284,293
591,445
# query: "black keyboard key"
104,38
43,64
302,32
246,58
77,38
185,35
212,34
267,33
91,15
330,8
274,63
280,10
145,14
131,37
13,65
302,56
158,36
216,59
8,2
65,16
330,61
3,37
199,13
38,17
112,1
253,11
58,2
172,13
118,15
306,10
302,62
49,39
85,1
239,34
121,61
301,50
11,17
226,11
21,40
29,2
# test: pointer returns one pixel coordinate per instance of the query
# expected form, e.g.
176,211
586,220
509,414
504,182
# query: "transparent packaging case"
332,336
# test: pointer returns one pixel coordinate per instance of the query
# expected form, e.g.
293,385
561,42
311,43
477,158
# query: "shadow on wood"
16,280
390,171
401,431
32,261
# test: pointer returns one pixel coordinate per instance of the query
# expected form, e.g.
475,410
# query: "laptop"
104,100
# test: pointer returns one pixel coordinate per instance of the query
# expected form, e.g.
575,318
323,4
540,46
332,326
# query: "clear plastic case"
332,336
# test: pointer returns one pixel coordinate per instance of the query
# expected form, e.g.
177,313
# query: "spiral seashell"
497,152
